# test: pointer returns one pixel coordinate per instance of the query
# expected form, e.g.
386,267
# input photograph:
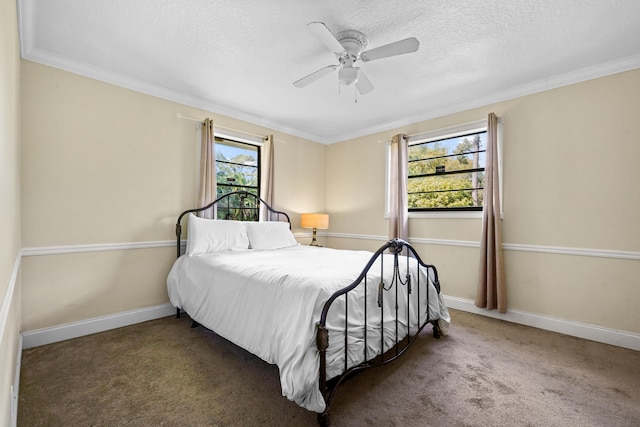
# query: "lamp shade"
314,220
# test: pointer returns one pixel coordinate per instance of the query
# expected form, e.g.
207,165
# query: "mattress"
269,302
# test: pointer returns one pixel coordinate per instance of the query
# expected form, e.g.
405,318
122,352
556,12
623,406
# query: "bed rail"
386,288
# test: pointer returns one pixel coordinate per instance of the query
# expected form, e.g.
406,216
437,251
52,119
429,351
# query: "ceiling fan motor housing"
354,42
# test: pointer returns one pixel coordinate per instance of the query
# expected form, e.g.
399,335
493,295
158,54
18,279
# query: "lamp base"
314,242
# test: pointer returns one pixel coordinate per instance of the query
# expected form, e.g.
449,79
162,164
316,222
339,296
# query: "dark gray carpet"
486,372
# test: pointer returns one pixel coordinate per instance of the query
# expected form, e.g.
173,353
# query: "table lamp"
314,221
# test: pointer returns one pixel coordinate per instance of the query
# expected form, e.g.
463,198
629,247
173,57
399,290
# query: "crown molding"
137,85
28,51
554,82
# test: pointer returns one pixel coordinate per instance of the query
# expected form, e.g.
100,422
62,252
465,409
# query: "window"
447,172
237,168
431,192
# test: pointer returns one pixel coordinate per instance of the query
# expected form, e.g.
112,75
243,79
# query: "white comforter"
268,302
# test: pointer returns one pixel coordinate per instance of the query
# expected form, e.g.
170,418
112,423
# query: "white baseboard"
618,338
68,331
15,389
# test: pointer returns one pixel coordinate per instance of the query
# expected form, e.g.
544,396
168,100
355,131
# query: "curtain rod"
476,122
180,116
387,142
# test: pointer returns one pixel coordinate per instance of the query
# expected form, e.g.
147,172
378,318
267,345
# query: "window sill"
445,215
441,214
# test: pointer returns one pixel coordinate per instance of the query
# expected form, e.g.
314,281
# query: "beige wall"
570,180
9,202
103,164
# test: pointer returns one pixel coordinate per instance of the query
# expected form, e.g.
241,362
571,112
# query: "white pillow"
210,235
270,235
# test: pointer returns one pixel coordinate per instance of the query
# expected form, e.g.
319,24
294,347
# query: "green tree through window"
237,168
447,174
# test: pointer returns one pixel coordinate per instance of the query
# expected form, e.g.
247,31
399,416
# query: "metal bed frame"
247,210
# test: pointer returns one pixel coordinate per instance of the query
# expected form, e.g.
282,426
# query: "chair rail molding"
599,253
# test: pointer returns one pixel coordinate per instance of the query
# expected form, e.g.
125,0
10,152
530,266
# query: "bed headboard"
238,206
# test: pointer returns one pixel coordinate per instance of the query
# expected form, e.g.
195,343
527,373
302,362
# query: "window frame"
240,140
439,134
436,174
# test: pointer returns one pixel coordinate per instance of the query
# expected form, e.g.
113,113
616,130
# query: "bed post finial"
396,245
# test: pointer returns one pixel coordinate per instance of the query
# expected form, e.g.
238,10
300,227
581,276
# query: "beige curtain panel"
491,293
398,204
207,191
266,176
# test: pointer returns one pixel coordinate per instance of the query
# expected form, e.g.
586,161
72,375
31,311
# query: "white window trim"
237,136
450,132
444,214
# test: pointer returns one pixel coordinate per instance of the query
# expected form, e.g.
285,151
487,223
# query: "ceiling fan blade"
326,37
363,84
315,76
397,48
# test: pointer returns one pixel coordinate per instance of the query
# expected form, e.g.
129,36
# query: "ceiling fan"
349,46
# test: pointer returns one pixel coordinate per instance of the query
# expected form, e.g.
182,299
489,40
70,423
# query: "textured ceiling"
240,57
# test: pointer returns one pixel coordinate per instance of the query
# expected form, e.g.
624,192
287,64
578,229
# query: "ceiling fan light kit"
348,76
350,46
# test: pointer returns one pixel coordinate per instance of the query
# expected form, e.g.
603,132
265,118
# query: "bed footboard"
388,287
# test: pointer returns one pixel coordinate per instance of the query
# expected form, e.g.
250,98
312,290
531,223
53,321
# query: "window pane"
446,191
447,164
449,146
236,166
446,200
229,208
